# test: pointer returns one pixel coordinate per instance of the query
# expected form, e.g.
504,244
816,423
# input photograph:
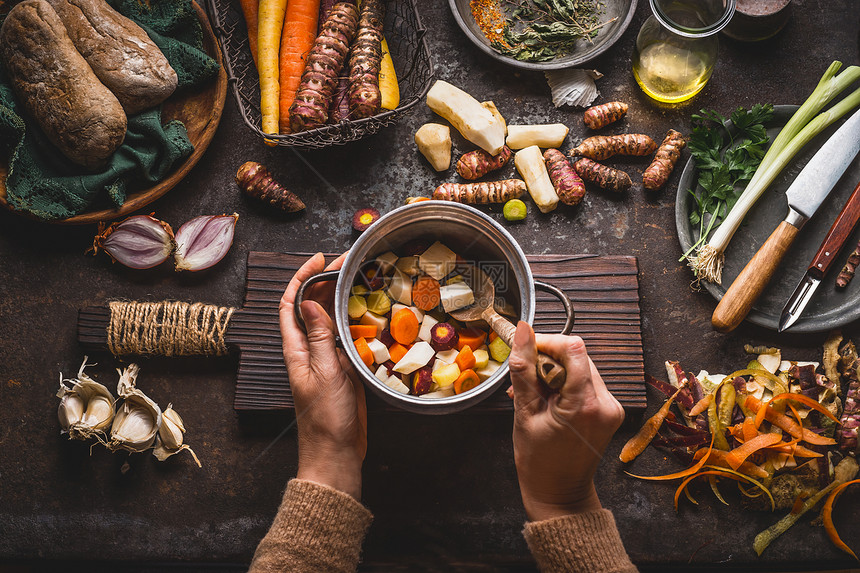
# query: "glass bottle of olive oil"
676,48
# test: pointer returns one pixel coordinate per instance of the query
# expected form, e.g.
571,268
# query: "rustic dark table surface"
443,489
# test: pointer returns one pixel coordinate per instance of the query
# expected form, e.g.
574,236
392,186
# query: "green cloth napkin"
42,182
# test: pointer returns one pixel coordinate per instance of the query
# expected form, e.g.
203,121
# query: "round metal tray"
830,307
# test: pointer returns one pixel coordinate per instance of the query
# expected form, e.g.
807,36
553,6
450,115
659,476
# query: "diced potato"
408,266
360,290
379,350
356,306
427,324
395,383
499,351
419,355
382,373
400,288
434,143
482,358
380,322
488,370
447,356
454,296
378,302
532,169
446,375
387,261
474,121
546,136
438,260
419,314
446,392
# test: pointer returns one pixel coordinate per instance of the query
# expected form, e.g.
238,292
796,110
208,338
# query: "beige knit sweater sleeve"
580,542
317,529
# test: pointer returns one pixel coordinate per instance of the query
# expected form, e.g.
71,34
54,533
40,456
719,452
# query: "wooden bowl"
200,111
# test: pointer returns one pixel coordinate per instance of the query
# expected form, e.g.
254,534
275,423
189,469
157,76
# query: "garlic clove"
71,408
87,408
203,241
98,414
139,242
171,431
137,421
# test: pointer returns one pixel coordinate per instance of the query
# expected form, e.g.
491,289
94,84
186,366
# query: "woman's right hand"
559,438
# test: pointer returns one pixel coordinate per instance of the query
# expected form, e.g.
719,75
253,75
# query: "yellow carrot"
388,86
271,22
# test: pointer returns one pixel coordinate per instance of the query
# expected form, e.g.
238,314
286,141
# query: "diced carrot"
364,352
737,456
362,331
718,458
493,336
425,293
404,326
397,351
467,380
466,359
471,337
785,423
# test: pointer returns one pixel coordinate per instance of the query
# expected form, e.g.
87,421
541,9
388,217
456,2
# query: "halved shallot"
203,241
139,242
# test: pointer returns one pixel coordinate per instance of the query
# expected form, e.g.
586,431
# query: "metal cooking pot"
472,235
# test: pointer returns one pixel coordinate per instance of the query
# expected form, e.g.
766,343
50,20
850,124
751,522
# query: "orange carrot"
786,424
637,444
397,351
297,39
827,518
466,359
467,380
737,456
362,331
493,336
718,458
270,22
250,9
364,352
404,326
425,293
471,337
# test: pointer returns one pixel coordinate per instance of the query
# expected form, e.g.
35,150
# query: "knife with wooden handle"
833,242
805,195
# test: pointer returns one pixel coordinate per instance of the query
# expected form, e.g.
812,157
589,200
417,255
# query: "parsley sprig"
726,156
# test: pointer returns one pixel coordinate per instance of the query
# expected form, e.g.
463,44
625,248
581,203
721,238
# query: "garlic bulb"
137,419
171,436
86,409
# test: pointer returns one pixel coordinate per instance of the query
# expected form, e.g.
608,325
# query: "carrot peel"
738,455
827,518
637,444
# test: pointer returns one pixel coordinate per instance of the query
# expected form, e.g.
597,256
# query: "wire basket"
404,33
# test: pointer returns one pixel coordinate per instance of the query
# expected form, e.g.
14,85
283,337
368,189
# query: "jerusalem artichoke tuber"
604,146
475,164
434,142
256,181
311,106
603,176
847,272
667,155
365,59
549,135
481,193
604,114
473,120
532,169
567,183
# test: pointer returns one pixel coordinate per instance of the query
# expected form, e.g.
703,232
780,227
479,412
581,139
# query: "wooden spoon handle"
549,371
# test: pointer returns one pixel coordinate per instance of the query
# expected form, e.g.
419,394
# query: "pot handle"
568,306
549,370
300,295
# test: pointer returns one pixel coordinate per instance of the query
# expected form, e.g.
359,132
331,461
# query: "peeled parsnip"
546,136
532,169
473,120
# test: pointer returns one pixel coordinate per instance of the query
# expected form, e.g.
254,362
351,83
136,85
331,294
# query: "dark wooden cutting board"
604,291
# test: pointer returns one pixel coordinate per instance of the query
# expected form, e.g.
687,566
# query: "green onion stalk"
803,126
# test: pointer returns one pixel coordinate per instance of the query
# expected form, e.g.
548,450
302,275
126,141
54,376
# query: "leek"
803,126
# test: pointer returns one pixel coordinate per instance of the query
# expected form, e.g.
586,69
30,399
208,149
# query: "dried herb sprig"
548,28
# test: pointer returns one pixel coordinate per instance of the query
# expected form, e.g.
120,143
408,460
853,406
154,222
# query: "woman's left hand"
331,413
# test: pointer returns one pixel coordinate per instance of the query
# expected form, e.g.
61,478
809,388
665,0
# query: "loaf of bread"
120,53
57,86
